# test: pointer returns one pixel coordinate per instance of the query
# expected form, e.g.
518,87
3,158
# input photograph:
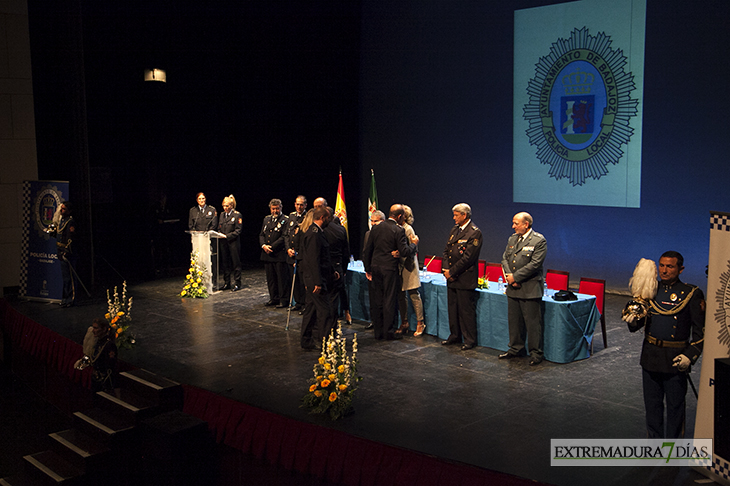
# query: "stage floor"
465,406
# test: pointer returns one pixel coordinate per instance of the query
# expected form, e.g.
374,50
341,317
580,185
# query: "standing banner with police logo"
577,113
40,270
717,343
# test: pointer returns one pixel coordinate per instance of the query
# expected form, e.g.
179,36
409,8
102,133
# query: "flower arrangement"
335,378
120,318
482,283
194,287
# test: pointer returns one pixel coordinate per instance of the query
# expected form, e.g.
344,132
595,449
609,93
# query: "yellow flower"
191,270
318,393
327,366
320,378
120,314
312,388
195,284
107,316
325,383
332,377
333,396
321,360
341,369
342,387
182,293
198,280
189,277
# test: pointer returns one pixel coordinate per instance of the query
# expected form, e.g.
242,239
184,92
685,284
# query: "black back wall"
271,99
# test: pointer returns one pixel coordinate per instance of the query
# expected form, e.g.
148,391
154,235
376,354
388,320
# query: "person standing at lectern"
230,225
202,217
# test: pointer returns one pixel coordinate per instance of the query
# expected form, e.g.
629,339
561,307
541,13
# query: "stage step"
161,391
104,426
80,450
49,468
18,480
122,402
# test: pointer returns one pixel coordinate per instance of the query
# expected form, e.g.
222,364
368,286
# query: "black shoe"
225,287
508,355
298,307
449,342
301,312
467,347
394,337
270,303
235,288
282,306
534,361
369,326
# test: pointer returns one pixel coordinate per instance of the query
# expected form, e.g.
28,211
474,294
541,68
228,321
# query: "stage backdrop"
40,271
717,338
578,87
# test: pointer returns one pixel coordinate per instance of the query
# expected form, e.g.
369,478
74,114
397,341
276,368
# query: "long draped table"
568,329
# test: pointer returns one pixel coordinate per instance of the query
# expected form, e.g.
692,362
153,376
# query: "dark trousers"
277,273
657,387
318,319
69,292
231,260
525,319
384,302
462,315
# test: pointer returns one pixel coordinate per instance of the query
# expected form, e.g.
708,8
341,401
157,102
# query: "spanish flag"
340,210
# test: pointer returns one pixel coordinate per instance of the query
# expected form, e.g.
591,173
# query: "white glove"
629,318
681,362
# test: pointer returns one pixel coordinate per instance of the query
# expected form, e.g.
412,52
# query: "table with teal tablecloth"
569,325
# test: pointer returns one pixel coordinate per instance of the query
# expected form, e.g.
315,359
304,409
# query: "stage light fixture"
155,75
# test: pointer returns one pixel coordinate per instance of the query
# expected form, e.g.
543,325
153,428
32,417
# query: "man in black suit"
336,235
461,269
522,265
273,254
381,267
230,224
376,218
319,277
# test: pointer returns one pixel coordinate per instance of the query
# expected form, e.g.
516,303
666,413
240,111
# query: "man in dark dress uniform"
674,335
461,269
522,265
319,276
65,232
381,267
293,257
230,225
273,254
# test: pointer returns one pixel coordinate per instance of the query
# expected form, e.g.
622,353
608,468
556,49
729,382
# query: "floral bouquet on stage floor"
194,287
120,317
335,378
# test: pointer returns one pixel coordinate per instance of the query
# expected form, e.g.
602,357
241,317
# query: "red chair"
597,287
493,271
557,279
482,268
432,263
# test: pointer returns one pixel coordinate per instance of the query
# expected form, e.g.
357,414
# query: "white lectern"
201,244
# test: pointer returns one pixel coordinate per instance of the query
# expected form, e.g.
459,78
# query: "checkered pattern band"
720,470
25,239
719,222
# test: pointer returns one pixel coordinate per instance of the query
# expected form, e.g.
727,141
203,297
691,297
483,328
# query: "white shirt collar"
461,228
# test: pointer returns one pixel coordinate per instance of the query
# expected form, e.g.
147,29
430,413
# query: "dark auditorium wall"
436,127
